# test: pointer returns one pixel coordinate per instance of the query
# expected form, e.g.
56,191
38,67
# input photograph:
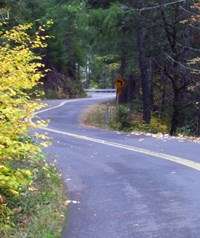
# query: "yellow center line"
175,159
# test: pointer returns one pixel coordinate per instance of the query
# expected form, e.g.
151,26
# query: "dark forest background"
153,45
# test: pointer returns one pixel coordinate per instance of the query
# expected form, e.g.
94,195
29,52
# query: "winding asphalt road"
123,185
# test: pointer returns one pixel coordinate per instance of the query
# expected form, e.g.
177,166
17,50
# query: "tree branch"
126,9
187,47
182,65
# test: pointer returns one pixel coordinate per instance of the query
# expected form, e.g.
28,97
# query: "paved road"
121,185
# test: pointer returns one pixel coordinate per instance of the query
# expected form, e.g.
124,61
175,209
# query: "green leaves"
13,180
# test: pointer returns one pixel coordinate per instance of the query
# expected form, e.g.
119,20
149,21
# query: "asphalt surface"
123,185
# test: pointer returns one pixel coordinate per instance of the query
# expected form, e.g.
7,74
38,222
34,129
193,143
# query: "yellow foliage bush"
19,74
158,126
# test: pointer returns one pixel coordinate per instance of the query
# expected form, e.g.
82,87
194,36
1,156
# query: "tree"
115,42
146,43
163,45
66,48
176,56
20,72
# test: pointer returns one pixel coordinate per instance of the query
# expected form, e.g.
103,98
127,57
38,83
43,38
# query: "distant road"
122,185
100,90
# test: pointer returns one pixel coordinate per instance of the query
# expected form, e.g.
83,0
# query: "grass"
96,114
129,118
40,212
123,118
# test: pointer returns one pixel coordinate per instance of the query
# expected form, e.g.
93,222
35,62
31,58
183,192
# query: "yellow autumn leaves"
20,72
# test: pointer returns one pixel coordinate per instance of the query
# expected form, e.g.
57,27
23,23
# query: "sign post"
107,114
119,83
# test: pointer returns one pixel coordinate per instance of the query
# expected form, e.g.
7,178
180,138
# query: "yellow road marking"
172,158
175,159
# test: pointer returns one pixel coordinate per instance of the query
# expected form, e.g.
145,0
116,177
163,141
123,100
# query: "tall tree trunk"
131,84
198,121
87,75
144,76
151,79
172,32
123,96
176,111
163,91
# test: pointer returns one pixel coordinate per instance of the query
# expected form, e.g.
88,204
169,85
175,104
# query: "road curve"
121,185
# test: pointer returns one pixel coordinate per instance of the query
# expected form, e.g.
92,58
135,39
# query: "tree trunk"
144,76
151,80
176,101
171,31
123,96
176,111
131,88
198,122
163,91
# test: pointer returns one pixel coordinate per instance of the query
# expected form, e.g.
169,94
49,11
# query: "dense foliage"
65,51
19,75
152,44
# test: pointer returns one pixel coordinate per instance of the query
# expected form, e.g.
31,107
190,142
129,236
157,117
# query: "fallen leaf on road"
136,225
174,172
70,201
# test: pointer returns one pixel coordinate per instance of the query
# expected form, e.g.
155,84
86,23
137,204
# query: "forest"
55,49
153,45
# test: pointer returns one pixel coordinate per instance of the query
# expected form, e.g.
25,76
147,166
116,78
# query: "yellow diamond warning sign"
119,82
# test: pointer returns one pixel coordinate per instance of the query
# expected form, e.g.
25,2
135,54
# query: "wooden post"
107,114
117,98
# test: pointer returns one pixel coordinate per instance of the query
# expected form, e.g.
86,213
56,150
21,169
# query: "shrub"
184,131
125,118
19,74
120,119
158,125
98,118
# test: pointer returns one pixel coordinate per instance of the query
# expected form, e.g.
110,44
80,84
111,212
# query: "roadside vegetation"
31,192
153,45
40,209
129,118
